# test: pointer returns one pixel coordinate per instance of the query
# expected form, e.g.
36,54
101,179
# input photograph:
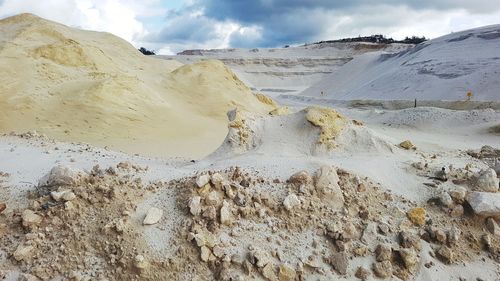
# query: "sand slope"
77,85
445,68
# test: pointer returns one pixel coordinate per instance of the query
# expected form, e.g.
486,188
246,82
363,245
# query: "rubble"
492,226
417,216
487,181
30,218
291,201
484,203
407,145
153,216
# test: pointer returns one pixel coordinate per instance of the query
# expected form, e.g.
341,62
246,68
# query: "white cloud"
120,17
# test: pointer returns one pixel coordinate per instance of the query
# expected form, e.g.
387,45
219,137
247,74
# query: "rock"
218,251
349,231
68,196
30,218
407,145
153,216
382,269
487,181
202,180
210,212
445,199
217,180
445,254
417,216
383,252
383,228
485,203
486,239
64,195
140,262
492,226
454,235
214,198
409,257
206,238
340,262
369,234
418,165
457,211
286,273
205,253
440,236
226,215
362,273
300,178
195,205
326,181
291,201
3,206
442,174
269,272
23,252
409,240
59,176
458,194
262,258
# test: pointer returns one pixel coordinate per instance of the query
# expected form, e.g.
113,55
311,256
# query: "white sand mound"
314,131
77,85
445,68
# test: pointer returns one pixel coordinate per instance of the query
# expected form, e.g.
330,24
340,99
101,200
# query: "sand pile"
315,131
77,85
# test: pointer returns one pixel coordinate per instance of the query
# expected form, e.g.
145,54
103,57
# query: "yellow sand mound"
330,121
94,87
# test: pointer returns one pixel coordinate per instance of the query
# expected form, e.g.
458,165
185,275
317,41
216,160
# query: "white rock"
485,203
202,180
291,201
458,193
140,262
23,252
226,215
153,216
445,199
214,198
68,196
205,253
262,258
64,195
30,218
326,182
492,226
195,205
217,180
487,181
59,175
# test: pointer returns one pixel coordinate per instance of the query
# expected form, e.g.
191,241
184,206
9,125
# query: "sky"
171,26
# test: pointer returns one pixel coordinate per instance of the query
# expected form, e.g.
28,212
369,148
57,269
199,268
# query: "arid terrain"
238,164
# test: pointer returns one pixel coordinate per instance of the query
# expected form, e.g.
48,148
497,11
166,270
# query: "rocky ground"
237,225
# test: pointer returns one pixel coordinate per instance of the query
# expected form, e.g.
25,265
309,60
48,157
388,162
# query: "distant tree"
146,51
414,40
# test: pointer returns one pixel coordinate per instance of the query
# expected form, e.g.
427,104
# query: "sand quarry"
119,166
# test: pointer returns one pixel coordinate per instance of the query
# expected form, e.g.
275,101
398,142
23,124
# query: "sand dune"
445,68
77,85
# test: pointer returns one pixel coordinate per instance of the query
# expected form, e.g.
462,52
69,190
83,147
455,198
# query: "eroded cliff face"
287,70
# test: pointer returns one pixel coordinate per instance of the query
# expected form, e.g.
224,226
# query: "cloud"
120,17
170,26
